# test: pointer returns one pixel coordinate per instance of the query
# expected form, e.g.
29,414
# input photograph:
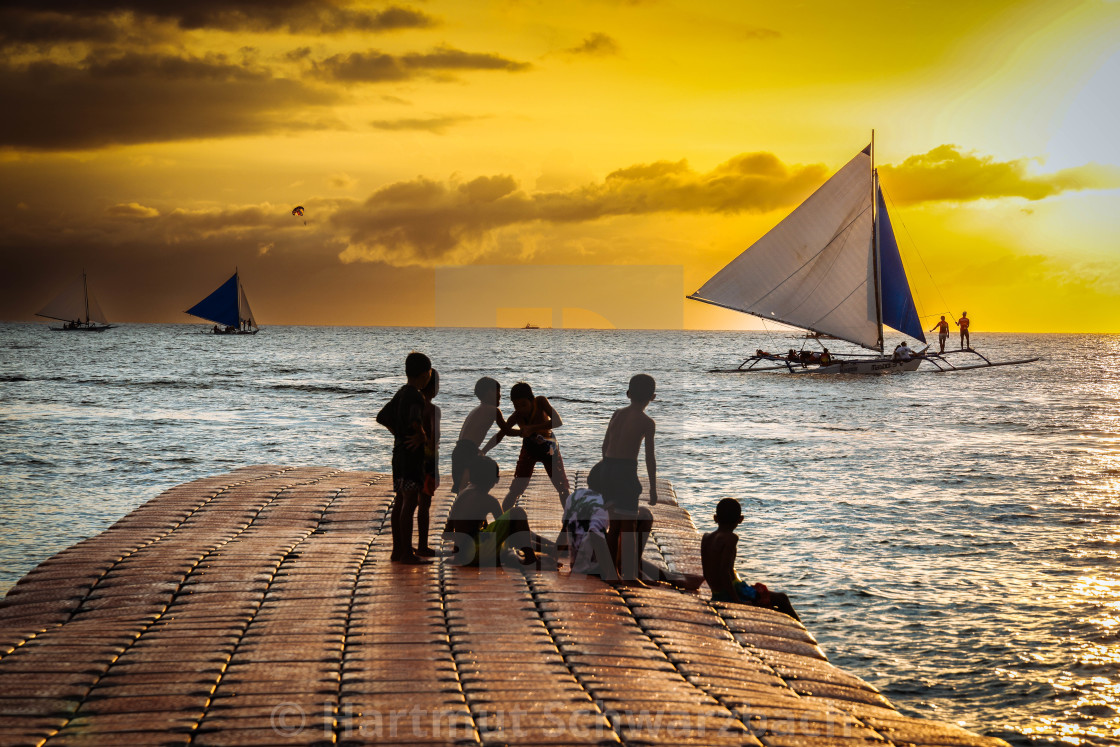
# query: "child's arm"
553,415
503,428
651,463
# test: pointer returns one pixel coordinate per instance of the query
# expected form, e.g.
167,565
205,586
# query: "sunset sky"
159,145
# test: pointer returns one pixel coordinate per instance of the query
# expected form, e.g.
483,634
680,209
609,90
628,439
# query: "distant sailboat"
77,307
228,308
831,267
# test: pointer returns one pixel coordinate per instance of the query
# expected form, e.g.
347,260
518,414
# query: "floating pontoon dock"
260,608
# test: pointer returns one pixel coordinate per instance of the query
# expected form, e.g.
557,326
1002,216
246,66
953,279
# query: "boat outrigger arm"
831,267
857,364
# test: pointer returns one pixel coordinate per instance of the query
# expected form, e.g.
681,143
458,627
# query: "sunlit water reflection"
950,538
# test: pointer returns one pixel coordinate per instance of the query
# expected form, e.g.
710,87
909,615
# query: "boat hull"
82,329
869,366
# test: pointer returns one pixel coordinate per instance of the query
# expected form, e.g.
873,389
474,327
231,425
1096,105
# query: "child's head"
431,389
595,478
488,391
729,514
642,388
521,395
483,473
418,367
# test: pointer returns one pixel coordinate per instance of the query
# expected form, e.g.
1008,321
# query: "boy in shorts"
533,420
475,427
628,429
403,415
717,554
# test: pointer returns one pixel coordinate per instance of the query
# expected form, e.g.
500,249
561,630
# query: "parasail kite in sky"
297,210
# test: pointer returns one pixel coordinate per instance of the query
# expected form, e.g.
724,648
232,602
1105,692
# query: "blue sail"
899,311
220,306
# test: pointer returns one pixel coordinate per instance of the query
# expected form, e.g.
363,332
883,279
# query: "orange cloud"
423,221
945,173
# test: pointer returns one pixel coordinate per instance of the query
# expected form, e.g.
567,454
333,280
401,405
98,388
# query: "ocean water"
950,538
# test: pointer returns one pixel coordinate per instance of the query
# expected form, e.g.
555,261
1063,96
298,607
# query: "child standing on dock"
475,427
403,415
628,429
717,555
432,415
533,419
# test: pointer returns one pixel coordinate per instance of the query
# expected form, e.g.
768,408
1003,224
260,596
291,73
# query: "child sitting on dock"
432,415
478,542
403,415
628,429
533,420
717,554
475,427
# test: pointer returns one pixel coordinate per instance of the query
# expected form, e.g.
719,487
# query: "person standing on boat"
963,322
942,328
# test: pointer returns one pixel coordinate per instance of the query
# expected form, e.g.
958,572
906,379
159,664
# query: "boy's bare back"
629,427
717,556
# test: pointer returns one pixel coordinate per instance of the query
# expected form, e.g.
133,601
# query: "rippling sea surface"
950,538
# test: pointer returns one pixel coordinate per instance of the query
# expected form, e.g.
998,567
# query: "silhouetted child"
479,541
475,427
432,415
717,554
585,528
628,429
403,415
533,420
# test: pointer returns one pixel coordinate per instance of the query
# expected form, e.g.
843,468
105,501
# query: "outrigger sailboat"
228,308
832,267
77,307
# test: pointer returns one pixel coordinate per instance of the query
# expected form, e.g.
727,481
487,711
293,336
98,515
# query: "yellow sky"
159,149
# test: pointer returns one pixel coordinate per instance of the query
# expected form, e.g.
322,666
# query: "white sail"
75,303
244,310
815,269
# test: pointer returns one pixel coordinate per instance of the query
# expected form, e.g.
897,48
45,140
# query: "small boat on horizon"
77,308
530,325
228,308
832,267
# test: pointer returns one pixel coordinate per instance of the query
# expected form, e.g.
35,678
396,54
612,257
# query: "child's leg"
403,534
626,554
422,518
522,473
554,468
781,603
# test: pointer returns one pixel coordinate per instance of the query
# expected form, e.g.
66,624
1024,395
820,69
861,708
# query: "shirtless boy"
478,542
628,429
717,555
475,427
533,420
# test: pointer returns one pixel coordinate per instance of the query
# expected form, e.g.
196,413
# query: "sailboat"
228,308
77,307
832,267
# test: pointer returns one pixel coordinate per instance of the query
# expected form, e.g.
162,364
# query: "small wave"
324,389
8,379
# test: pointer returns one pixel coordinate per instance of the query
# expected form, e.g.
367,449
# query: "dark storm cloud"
945,173
422,221
435,125
373,66
48,21
596,45
139,98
